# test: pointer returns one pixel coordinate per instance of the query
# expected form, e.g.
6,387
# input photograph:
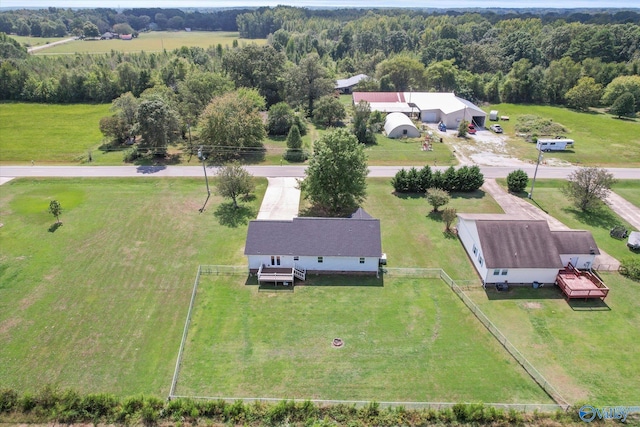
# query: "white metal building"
399,125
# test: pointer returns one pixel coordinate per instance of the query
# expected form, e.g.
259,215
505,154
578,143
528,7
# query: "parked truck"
554,144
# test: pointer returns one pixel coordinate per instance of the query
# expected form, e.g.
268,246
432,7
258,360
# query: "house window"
480,260
361,260
496,272
296,258
404,131
504,272
320,260
475,249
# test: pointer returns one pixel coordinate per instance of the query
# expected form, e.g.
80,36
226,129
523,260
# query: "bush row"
464,179
68,406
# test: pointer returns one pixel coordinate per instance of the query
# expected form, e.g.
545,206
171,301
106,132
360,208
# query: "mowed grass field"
409,340
629,189
153,41
50,133
36,41
587,350
99,304
600,139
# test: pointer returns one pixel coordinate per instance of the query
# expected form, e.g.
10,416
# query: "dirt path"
513,205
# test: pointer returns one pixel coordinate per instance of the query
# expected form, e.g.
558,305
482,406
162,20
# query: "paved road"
267,171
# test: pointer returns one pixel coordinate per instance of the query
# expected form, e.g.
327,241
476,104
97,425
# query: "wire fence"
426,273
229,270
520,407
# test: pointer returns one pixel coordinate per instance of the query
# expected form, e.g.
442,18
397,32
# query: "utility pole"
533,183
202,157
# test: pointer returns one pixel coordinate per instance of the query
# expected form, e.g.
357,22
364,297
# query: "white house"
431,107
576,247
317,245
399,125
506,248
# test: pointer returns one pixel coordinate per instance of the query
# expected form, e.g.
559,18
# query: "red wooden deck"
581,284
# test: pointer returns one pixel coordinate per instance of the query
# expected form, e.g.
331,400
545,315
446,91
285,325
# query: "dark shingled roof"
575,242
518,244
348,237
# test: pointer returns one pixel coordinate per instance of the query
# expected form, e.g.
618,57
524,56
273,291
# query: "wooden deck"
581,284
275,274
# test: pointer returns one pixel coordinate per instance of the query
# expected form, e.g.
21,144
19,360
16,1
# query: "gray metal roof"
351,81
575,242
347,237
518,244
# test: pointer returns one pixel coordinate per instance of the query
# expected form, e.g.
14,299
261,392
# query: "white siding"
580,261
523,275
468,234
311,263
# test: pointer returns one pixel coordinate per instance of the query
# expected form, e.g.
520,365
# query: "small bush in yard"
630,267
517,181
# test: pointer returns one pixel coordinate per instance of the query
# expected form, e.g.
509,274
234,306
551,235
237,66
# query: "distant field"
49,133
36,41
153,41
409,340
600,139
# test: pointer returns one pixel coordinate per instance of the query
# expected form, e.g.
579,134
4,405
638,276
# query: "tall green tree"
624,105
336,177
259,67
232,123
585,94
158,124
403,71
329,110
307,82
588,187
361,124
234,181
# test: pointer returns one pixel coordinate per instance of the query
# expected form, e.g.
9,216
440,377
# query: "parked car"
496,128
472,129
442,127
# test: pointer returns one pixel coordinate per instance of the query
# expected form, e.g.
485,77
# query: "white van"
554,144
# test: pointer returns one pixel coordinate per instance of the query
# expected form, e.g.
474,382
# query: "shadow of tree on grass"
600,217
230,216
54,227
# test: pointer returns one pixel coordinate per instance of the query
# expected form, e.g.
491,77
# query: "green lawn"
36,41
600,139
629,189
588,351
409,340
99,304
153,41
48,133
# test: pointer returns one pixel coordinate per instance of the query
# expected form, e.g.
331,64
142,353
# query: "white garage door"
429,117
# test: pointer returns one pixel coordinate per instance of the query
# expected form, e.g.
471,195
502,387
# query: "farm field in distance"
153,41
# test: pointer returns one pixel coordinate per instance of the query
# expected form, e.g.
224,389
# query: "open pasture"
153,41
600,139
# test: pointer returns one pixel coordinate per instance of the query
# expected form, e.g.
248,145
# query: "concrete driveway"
513,205
281,200
626,210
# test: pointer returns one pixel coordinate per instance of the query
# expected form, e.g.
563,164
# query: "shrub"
630,267
8,400
469,179
437,197
101,405
130,155
517,181
296,156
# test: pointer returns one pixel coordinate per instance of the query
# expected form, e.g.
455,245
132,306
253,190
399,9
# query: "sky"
119,4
